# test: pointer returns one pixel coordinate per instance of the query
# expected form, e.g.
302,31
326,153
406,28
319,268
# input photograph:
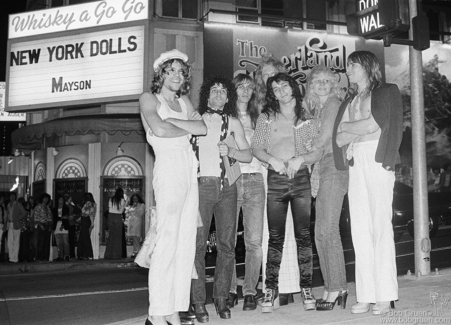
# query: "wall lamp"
120,151
55,152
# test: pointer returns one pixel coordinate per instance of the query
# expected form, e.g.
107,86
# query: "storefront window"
57,3
291,12
187,9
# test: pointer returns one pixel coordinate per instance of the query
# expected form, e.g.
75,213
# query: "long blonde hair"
260,86
311,100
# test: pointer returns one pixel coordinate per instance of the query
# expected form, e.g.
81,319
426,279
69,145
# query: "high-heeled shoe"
325,295
271,301
329,305
221,308
308,299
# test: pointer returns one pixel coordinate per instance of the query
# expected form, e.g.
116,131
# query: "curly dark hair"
204,94
43,196
158,78
272,104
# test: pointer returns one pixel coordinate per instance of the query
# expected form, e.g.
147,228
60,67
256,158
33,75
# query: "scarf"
224,129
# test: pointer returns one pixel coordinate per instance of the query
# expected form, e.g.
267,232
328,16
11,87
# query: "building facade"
84,132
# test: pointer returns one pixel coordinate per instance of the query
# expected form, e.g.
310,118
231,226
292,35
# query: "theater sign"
232,49
76,65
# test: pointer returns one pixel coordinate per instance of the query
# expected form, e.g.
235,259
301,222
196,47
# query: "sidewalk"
424,300
14,268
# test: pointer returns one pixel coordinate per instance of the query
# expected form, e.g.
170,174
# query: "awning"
31,137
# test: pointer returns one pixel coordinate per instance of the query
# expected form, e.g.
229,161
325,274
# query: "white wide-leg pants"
370,205
177,206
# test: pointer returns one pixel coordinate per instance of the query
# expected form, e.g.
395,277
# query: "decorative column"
49,176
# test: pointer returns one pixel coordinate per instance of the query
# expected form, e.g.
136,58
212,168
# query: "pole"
420,194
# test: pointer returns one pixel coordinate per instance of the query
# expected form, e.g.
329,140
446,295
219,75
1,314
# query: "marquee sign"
76,69
86,15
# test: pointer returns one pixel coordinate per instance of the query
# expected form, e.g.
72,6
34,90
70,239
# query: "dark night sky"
7,7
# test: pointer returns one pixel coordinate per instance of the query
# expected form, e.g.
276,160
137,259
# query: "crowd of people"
290,148
29,228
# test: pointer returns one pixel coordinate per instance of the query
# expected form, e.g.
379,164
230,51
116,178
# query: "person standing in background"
26,234
42,228
116,208
88,213
61,229
135,215
250,198
71,217
16,213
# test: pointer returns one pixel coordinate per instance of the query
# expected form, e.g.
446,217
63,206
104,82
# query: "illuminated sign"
370,21
66,18
8,116
376,18
76,69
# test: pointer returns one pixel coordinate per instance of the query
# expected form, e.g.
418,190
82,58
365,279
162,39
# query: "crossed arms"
171,127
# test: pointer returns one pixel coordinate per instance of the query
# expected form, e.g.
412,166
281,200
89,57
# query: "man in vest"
217,195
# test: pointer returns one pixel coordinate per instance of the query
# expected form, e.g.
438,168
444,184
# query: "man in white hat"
169,120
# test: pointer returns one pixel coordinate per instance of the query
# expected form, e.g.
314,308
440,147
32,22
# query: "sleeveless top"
164,111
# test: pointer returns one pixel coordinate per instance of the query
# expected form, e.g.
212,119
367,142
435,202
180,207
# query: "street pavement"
422,300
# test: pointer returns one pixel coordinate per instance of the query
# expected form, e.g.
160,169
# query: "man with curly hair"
169,119
216,194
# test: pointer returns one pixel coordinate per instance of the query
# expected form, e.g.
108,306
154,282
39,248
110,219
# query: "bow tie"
214,111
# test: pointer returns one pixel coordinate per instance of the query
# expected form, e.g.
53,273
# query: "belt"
251,174
302,167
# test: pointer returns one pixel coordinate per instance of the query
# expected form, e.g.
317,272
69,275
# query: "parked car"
439,211
439,204
439,207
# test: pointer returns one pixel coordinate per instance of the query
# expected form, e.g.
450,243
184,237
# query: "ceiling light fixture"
119,150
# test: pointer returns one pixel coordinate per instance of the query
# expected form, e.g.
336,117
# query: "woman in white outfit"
170,120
